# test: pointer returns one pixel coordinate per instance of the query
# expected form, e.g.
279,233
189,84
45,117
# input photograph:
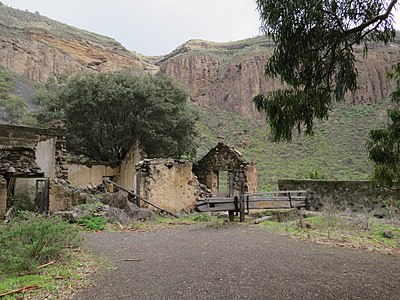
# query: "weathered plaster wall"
127,176
169,183
3,198
356,195
82,175
251,178
45,156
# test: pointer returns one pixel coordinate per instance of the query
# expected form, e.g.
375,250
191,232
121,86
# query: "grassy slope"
20,23
336,151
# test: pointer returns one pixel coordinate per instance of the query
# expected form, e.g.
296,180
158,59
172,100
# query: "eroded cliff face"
36,47
43,56
229,75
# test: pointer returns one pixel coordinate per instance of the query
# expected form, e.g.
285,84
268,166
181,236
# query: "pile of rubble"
96,201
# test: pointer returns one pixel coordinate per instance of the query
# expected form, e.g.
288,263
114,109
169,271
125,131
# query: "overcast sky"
153,27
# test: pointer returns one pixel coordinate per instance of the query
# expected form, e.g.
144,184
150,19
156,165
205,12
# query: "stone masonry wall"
18,149
355,195
169,183
3,198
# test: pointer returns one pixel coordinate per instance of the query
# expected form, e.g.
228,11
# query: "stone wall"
81,175
355,195
127,173
84,174
225,158
32,152
168,183
3,198
251,178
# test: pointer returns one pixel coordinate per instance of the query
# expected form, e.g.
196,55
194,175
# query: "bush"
32,240
93,222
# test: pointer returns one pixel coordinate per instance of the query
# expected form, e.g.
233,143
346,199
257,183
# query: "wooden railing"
243,203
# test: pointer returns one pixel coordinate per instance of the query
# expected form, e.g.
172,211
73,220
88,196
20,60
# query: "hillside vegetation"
20,23
336,151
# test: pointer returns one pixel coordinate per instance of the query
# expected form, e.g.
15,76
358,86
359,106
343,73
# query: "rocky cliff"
228,75
37,47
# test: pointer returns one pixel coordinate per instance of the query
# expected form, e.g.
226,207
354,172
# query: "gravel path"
235,262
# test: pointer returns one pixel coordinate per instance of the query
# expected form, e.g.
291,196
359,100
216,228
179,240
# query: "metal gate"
42,195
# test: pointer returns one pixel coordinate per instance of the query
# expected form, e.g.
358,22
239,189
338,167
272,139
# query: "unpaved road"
235,262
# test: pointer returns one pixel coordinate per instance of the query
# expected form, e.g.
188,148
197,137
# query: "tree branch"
373,20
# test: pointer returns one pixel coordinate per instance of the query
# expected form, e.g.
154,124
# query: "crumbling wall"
251,178
82,175
3,198
355,195
225,158
127,174
28,151
62,196
168,183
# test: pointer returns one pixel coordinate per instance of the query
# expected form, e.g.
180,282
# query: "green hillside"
336,151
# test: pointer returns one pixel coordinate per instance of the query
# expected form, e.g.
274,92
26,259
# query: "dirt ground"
235,262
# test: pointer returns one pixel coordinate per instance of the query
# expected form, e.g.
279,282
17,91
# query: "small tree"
384,143
106,113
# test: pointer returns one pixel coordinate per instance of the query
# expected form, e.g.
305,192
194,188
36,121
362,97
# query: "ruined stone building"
222,169
31,155
28,154
169,183
122,172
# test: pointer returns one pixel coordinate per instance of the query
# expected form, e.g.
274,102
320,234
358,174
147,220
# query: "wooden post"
231,214
241,198
138,188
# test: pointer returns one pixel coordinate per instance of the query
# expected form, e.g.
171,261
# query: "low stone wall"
355,195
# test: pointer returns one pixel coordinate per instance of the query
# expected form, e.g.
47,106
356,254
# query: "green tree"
314,55
384,143
106,113
14,106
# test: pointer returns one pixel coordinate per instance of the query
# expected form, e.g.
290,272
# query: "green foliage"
24,198
106,113
201,218
33,240
93,222
14,106
316,175
333,227
384,143
314,56
337,148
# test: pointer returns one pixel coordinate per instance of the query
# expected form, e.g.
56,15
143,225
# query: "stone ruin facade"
28,153
168,183
223,158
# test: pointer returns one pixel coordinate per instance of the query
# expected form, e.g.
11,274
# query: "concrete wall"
169,183
3,198
82,175
355,195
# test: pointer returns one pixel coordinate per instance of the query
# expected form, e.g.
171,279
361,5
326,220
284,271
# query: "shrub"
32,240
93,222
